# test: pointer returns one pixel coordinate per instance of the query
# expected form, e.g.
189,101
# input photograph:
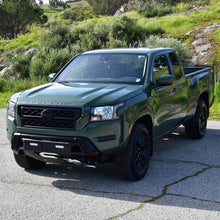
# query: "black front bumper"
57,148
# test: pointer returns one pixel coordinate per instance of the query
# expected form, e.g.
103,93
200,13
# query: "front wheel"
28,163
133,162
196,128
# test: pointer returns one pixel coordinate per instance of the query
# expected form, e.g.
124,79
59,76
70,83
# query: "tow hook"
73,161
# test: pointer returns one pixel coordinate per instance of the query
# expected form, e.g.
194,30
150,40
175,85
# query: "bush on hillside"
155,41
101,30
127,29
80,30
48,61
60,43
19,64
156,10
88,41
77,14
106,7
159,8
58,36
115,43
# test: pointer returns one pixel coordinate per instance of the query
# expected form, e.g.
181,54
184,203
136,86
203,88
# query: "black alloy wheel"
132,163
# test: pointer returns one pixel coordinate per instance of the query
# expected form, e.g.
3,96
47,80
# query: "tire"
196,128
133,162
28,163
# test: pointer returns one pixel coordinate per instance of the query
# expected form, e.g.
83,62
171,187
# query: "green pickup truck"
109,105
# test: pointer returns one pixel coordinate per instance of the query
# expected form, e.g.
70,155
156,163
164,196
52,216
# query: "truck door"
164,98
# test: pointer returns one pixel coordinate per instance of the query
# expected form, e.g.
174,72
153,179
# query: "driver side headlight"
11,109
103,113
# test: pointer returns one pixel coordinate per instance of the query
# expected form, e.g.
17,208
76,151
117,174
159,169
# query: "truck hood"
78,94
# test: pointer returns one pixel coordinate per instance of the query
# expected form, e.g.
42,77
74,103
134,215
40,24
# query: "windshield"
105,68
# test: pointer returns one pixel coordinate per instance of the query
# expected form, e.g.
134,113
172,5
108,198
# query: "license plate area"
63,148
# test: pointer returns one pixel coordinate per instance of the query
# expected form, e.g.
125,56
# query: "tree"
16,15
58,3
53,4
106,7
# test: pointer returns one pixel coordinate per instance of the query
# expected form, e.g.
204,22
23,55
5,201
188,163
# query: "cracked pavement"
183,182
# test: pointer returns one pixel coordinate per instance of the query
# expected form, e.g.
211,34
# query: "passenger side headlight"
103,113
11,109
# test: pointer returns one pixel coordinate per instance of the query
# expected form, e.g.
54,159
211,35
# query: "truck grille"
54,118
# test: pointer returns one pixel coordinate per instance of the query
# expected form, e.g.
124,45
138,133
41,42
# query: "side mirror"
51,76
165,80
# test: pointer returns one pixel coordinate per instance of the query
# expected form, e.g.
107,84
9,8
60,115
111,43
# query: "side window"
160,66
176,66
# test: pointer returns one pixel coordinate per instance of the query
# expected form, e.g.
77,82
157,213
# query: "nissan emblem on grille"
46,114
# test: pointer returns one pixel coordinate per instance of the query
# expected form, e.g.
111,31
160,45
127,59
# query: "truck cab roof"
130,50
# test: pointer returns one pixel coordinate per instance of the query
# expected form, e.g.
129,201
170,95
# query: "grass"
10,87
4,97
177,25
28,40
215,111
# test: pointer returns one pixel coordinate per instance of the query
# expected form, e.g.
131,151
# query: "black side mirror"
51,76
165,80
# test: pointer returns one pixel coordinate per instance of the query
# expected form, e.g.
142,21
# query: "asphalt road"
183,182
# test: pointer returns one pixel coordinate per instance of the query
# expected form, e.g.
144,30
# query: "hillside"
27,60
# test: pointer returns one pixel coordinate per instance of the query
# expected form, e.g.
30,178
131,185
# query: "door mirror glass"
165,80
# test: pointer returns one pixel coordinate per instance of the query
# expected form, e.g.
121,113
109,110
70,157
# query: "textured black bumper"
63,147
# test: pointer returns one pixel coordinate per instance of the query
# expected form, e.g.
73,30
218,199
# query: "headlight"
103,113
11,109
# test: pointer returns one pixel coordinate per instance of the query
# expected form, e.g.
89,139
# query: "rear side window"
175,66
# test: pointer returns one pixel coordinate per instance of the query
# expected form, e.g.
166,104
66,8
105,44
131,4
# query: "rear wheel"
196,128
133,162
28,163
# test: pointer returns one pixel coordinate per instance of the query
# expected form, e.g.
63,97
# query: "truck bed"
194,70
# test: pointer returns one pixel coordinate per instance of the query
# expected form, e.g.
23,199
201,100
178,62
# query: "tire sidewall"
201,105
137,130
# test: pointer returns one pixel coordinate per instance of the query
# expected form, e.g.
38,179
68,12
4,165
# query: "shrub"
19,67
126,29
76,49
88,41
48,61
101,31
156,10
115,43
58,36
106,7
202,2
55,60
155,41
78,30
77,14
159,8
3,85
